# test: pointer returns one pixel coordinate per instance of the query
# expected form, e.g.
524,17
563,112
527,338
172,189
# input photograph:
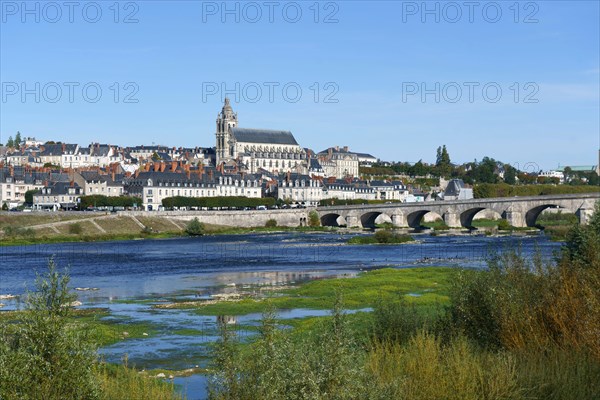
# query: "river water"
128,277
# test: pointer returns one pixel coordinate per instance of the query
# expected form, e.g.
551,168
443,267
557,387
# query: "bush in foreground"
45,354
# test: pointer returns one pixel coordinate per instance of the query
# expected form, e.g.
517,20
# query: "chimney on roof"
113,175
289,176
337,148
187,173
64,147
346,148
72,183
156,167
173,166
163,166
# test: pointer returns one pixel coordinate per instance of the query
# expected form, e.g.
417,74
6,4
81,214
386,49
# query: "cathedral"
257,149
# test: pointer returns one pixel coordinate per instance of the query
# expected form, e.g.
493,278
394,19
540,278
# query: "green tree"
29,196
194,228
510,174
44,355
18,140
419,169
442,162
10,142
313,218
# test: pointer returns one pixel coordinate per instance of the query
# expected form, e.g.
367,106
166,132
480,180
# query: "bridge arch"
467,217
532,214
414,219
373,218
333,219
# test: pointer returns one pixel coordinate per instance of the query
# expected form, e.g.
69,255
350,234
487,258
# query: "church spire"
226,120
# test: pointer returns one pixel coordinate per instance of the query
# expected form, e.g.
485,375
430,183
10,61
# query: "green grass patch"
430,285
110,331
381,237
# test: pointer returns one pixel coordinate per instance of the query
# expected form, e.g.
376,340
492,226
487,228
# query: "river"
129,276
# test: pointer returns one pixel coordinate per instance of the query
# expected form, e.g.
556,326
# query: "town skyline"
399,85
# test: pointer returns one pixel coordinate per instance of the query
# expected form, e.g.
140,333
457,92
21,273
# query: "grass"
485,223
430,284
30,219
437,225
109,331
381,237
117,228
121,382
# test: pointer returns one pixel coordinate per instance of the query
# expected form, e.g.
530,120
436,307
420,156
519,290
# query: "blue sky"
394,79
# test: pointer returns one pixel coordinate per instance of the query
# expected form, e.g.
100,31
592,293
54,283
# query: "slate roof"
315,165
454,187
263,136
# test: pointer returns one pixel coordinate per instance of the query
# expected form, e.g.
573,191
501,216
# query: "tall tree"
11,142
510,174
18,140
442,161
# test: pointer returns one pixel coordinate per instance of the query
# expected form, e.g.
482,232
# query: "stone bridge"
518,211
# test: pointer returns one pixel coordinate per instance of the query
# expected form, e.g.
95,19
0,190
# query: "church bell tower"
226,120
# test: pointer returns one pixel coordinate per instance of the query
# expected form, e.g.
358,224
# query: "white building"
339,162
299,188
155,186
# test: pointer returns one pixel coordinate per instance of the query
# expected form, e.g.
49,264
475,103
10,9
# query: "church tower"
226,120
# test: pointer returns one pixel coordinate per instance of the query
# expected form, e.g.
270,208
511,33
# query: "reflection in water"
226,320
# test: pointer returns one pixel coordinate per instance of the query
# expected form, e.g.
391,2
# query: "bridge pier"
452,219
352,221
399,221
584,215
515,218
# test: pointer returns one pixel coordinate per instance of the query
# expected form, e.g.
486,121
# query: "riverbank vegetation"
423,287
523,328
46,354
381,236
25,229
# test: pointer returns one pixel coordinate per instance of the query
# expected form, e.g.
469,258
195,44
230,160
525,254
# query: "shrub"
16,231
271,223
194,228
322,365
504,225
383,236
4,207
44,354
396,321
75,229
313,218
